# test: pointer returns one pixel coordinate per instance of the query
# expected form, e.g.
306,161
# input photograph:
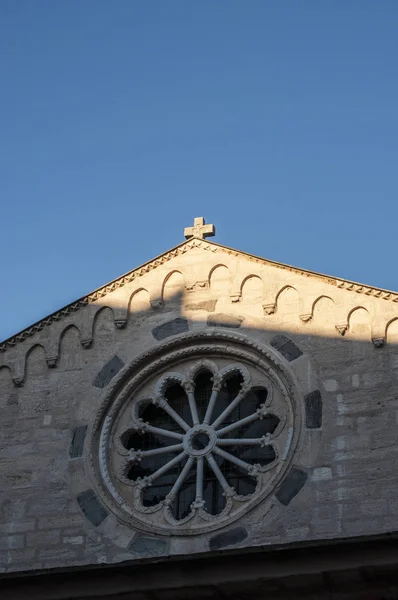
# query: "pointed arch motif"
287,301
139,301
173,286
323,313
70,348
252,288
35,361
103,325
359,323
391,331
220,279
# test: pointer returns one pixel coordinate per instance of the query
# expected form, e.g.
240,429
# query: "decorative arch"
173,286
287,301
359,323
252,288
70,349
391,331
35,361
139,301
103,321
323,313
219,279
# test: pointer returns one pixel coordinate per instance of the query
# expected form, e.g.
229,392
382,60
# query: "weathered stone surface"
228,538
77,443
148,546
286,347
12,542
173,327
108,372
91,507
43,538
313,410
347,441
207,305
291,486
223,320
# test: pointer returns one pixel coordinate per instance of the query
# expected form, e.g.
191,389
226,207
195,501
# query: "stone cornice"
164,258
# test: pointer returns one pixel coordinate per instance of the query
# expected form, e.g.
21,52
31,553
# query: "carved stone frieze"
52,361
87,343
269,309
341,328
306,317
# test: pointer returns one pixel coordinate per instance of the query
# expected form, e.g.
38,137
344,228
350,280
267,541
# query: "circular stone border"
179,348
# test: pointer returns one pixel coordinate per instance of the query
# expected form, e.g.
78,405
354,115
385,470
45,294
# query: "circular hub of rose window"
199,432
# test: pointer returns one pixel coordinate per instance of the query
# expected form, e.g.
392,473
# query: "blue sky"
121,121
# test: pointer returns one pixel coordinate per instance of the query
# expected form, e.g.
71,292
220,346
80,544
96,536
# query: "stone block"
313,410
228,538
148,546
16,527
207,305
77,443
51,522
223,320
74,540
42,539
91,507
174,327
321,474
291,486
44,504
12,542
108,372
286,347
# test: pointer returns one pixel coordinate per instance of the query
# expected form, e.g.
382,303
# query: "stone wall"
336,341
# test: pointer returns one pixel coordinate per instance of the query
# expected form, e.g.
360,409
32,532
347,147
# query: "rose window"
195,444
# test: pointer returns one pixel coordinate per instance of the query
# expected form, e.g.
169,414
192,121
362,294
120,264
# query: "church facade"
209,425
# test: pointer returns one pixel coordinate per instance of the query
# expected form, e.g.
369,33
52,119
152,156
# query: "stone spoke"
217,472
265,440
181,478
192,406
236,461
137,455
160,431
212,402
231,406
237,424
162,402
199,482
175,461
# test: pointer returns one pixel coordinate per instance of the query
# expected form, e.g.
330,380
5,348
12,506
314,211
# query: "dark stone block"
208,305
228,538
148,546
91,507
13,399
286,347
77,443
222,320
291,486
313,410
108,372
173,327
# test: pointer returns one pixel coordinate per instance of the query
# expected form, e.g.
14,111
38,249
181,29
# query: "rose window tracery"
209,440
196,443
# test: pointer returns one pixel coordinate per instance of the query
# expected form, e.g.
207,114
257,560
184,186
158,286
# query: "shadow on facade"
350,366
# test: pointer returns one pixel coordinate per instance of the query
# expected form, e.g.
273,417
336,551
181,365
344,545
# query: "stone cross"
199,229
